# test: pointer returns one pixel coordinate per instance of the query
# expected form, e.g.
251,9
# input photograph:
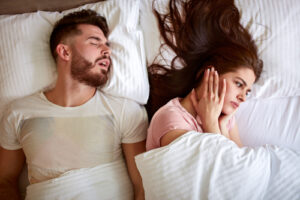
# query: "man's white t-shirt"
57,139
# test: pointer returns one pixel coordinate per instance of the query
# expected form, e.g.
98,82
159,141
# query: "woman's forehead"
244,73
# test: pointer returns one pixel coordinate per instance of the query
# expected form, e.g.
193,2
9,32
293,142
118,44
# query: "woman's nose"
242,96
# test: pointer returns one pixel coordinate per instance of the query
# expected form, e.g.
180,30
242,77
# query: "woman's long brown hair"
201,33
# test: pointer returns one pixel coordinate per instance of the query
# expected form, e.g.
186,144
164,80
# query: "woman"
208,39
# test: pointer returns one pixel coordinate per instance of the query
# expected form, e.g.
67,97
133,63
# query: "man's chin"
95,81
100,84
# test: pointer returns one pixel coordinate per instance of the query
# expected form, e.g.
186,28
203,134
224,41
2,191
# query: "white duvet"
209,166
106,182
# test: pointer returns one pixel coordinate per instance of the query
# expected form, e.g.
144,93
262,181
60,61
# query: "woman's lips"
234,104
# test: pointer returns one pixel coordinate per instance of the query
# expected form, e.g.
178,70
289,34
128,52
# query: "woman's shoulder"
172,108
167,118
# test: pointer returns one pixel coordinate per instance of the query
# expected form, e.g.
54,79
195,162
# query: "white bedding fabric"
209,166
106,181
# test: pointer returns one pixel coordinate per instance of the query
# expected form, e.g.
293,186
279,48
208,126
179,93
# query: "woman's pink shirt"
170,117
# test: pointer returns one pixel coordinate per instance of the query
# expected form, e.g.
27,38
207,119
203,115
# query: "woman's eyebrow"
244,82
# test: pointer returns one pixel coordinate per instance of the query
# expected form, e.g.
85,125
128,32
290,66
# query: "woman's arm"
235,136
171,136
208,101
233,133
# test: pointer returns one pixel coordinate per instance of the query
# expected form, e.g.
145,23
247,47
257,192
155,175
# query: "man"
72,125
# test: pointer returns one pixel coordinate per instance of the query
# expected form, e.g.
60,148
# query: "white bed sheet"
210,166
106,182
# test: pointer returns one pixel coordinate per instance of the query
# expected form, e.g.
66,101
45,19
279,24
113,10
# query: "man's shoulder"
120,106
23,102
118,100
26,99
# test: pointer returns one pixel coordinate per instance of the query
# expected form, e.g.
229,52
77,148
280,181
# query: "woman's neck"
187,104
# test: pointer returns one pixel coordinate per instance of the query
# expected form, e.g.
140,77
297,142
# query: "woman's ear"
63,52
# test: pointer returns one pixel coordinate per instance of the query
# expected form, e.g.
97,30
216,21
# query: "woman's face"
238,85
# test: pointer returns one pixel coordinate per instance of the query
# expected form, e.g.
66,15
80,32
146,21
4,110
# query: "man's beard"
80,70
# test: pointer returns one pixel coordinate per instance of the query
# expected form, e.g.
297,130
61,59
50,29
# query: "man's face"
90,56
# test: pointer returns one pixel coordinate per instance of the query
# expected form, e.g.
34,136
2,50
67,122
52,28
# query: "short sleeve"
133,122
8,131
165,120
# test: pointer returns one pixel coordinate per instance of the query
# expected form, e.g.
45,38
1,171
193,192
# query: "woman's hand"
207,101
223,123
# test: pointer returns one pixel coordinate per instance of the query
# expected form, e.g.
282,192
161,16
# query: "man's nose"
105,51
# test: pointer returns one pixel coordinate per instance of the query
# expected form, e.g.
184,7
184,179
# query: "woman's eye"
238,84
94,44
248,93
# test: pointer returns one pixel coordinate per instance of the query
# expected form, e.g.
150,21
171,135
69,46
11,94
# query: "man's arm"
130,151
11,164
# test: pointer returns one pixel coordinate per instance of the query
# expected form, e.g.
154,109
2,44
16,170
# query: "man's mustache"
102,57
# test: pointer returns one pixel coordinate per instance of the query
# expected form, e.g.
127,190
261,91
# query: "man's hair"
67,26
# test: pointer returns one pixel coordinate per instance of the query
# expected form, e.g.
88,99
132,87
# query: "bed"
268,121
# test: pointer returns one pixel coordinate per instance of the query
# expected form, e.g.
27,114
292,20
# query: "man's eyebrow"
244,82
94,38
98,39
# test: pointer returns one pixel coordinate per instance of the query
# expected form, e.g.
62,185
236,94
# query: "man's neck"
70,93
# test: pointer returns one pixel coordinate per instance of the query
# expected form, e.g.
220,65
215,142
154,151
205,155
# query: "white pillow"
26,64
274,24
270,121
